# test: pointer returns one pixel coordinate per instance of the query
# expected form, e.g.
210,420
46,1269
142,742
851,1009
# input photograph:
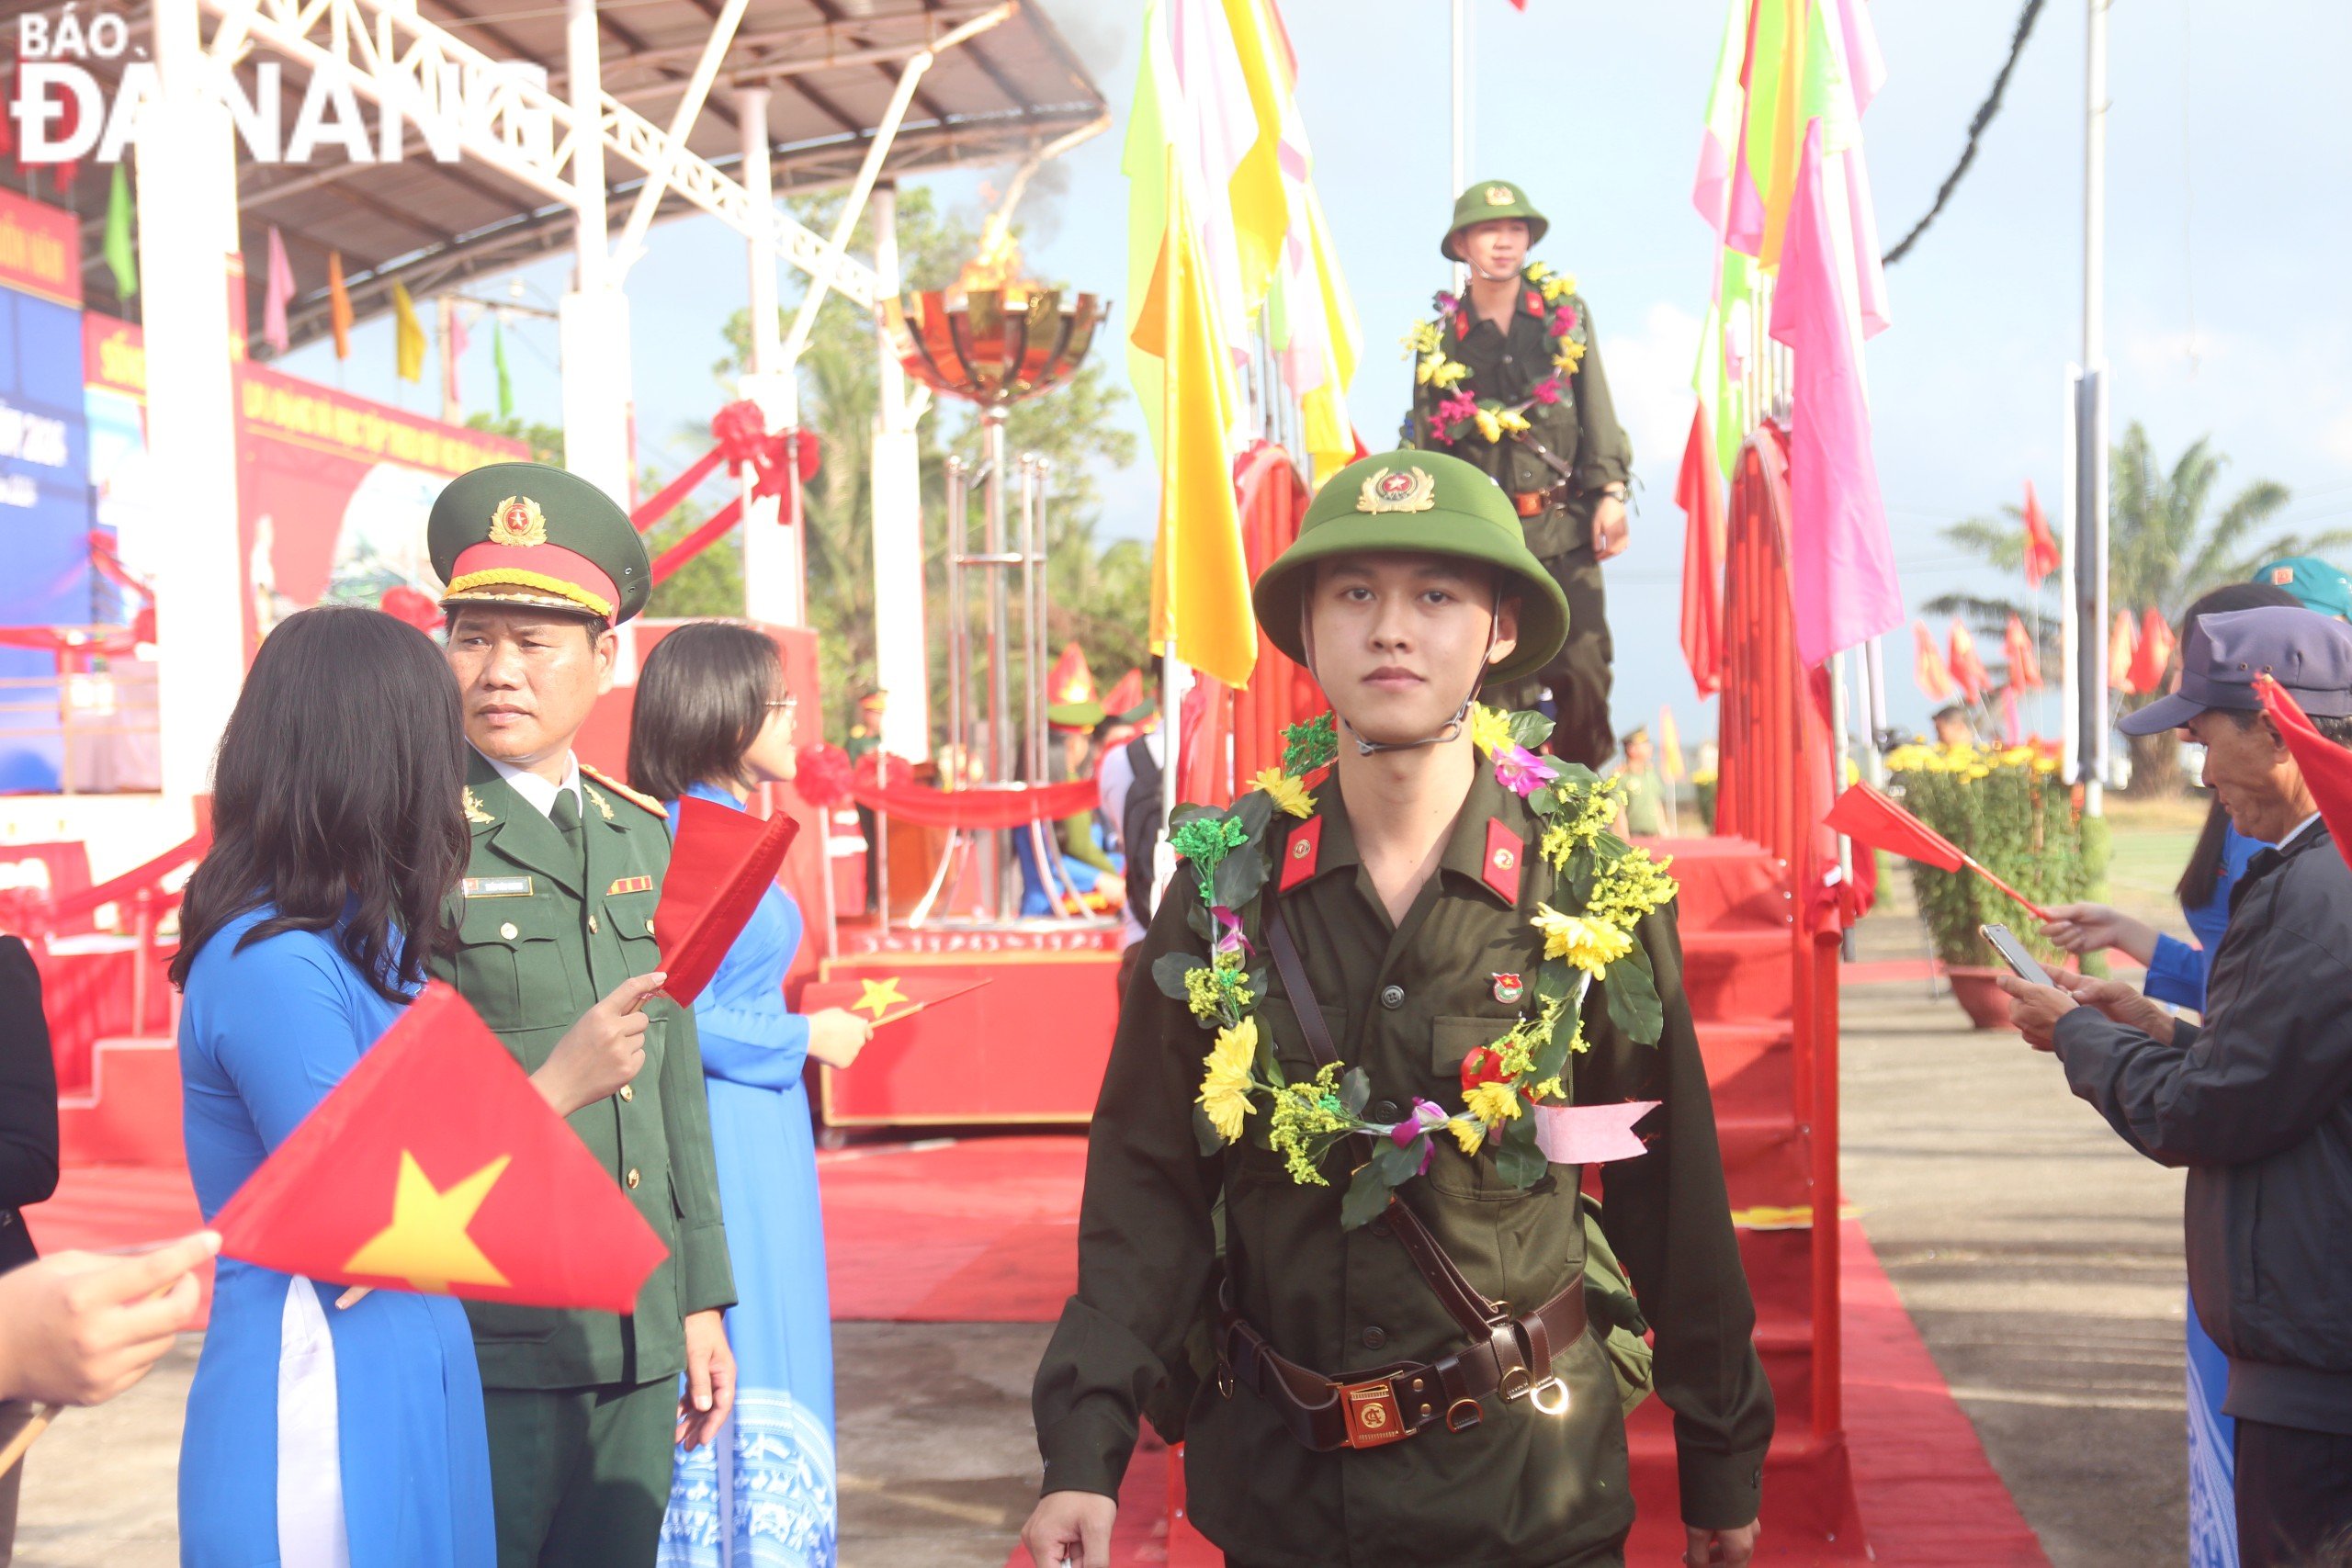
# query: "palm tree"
2163,551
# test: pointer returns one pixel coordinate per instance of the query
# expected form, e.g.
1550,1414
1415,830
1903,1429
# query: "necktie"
566,816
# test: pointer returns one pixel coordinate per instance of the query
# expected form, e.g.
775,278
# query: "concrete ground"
2040,1257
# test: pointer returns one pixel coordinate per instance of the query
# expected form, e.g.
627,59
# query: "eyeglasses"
789,704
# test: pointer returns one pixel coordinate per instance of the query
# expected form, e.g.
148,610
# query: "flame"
997,265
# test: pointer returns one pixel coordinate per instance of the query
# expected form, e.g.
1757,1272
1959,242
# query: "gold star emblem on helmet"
1415,490
518,521
1500,196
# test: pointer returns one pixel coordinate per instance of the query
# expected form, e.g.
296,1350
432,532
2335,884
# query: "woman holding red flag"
713,721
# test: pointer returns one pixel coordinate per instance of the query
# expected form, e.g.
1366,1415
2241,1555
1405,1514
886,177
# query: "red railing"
1776,782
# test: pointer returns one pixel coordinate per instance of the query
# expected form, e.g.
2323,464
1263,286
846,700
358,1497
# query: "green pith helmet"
1428,503
1077,718
532,535
1491,199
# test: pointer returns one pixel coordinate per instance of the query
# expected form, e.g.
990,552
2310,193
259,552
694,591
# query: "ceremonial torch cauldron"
994,342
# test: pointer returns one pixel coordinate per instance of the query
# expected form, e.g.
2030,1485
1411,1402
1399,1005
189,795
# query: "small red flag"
435,1166
2152,660
724,860
1865,816
2042,556
1699,492
2025,661
1968,670
1928,665
2122,645
884,999
2327,767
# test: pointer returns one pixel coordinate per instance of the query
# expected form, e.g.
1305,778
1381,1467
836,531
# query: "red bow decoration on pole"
779,464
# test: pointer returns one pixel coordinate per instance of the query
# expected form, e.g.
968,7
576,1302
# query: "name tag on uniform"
497,887
629,885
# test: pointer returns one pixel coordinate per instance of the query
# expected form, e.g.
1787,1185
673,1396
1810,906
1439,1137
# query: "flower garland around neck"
1461,407
1244,1091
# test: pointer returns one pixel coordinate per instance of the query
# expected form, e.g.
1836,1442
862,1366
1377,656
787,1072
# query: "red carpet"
975,1230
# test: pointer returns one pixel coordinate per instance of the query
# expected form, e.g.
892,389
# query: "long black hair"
338,787
702,697
2195,890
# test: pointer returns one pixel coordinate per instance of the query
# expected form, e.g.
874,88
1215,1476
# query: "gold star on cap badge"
1414,489
878,997
1499,196
518,522
426,1243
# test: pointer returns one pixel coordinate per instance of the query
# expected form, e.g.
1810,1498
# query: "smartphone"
2013,955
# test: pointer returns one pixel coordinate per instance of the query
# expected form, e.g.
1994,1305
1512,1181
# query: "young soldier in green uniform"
1508,376
1341,1263
560,895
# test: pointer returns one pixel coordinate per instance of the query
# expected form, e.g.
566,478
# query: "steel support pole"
902,641
594,315
2087,581
773,563
188,206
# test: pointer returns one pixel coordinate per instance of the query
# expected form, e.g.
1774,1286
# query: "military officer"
1334,1409
1509,377
557,926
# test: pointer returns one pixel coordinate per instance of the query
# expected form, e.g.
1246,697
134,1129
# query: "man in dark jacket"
2256,1102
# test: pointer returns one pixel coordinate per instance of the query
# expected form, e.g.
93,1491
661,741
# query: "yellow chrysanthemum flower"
1427,366
1493,1103
1570,352
1590,945
1489,728
1284,791
1225,1087
1447,374
1536,271
1423,338
1488,426
1511,421
1468,1133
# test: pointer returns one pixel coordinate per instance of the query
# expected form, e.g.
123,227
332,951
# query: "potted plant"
2006,808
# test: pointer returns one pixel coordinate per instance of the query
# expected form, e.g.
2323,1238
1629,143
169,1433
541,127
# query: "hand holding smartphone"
2013,955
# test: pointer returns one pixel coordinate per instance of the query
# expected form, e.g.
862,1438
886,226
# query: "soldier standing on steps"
1508,376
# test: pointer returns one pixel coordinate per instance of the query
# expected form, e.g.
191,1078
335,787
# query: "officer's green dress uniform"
558,910
1406,1002
1581,434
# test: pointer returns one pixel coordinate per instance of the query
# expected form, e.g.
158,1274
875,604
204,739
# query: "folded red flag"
724,860
1865,816
435,1166
2327,767
885,998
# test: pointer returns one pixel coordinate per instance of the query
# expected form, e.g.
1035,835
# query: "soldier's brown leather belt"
1391,1404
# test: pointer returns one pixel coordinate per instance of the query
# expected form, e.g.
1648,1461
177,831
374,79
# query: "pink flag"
1590,1135
278,290
454,354
1842,565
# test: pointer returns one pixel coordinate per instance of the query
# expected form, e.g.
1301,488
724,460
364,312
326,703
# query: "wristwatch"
1617,493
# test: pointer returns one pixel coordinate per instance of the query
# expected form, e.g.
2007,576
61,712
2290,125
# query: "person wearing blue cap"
2255,1101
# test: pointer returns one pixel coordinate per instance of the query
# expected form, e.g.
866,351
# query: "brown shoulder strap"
1465,1303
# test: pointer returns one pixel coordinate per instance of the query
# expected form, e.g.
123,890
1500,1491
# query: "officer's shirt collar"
1465,844
534,790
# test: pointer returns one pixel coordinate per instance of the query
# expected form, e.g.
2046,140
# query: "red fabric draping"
1272,499
1699,494
779,463
1204,724
979,807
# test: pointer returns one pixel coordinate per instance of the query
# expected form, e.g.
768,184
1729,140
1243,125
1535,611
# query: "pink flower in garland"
1547,391
1228,934
1520,770
1427,1116
1447,304
1455,409
1564,321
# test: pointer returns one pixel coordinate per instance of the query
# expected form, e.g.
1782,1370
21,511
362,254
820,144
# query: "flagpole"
1461,142
1171,684
2087,581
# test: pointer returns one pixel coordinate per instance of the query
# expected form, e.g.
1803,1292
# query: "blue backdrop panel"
44,466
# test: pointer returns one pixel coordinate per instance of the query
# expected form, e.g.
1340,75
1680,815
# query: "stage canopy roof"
831,65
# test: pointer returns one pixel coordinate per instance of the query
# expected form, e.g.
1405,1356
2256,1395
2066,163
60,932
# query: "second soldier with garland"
1507,376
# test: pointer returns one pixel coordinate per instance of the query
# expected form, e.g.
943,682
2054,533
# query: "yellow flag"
1199,580
1670,746
410,334
1260,209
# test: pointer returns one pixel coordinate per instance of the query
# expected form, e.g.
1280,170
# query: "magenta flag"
1841,565
275,294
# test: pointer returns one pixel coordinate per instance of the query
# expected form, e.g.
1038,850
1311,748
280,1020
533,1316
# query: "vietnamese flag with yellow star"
435,1166
885,998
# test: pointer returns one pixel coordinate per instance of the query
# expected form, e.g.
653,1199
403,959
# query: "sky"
2225,223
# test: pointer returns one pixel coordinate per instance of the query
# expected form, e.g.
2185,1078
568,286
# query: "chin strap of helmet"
1451,729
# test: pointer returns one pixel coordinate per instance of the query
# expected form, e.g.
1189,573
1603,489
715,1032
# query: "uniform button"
628,1092
1381,1111
591,925
1392,997
509,930
1374,1337
1378,1227
631,1179
649,927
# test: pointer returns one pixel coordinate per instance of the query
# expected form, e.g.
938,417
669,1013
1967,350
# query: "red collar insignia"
1505,850
1301,854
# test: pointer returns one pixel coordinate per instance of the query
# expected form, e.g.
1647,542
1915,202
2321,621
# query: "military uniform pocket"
1279,1020
509,968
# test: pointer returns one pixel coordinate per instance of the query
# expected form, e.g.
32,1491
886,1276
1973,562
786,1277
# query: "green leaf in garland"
1204,1133
1555,981
1167,972
1355,1091
1520,1161
1270,1065
1530,730
1368,1195
1255,810
1576,774
1545,801
1239,876
1399,1165
1633,1006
